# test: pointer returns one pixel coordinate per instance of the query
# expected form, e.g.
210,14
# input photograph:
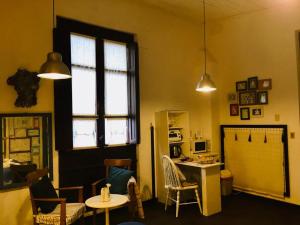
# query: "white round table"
115,200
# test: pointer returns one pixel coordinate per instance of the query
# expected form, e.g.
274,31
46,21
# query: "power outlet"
277,117
292,135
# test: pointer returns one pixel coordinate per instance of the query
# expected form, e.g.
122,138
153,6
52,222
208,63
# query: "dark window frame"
63,88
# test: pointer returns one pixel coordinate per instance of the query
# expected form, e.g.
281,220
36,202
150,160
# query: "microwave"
199,146
175,135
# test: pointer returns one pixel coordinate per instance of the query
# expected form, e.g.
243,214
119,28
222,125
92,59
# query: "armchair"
109,164
47,207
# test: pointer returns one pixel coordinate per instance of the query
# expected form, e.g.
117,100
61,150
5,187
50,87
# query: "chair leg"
167,199
94,216
177,203
82,220
198,200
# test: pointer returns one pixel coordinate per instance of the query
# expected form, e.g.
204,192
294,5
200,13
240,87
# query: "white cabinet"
166,121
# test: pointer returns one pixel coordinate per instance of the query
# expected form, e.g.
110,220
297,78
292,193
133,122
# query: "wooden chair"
108,163
121,163
173,183
64,213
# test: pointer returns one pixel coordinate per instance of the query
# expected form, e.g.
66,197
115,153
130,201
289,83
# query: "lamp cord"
204,36
53,15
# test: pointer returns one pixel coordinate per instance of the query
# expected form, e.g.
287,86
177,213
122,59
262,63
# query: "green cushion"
118,179
44,189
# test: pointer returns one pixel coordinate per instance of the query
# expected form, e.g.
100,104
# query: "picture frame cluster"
251,95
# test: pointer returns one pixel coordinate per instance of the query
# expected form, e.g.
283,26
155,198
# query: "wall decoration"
19,145
26,84
21,157
265,84
245,113
35,141
262,97
234,109
35,149
250,92
22,122
247,98
33,132
20,132
232,97
252,83
36,122
257,111
241,86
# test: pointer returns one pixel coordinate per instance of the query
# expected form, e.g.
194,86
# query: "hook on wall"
250,138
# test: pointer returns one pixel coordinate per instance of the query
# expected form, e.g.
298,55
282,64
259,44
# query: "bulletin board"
257,156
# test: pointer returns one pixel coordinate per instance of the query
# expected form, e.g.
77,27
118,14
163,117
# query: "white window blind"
116,93
83,60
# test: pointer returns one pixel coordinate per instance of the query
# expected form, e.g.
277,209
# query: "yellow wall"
170,65
262,44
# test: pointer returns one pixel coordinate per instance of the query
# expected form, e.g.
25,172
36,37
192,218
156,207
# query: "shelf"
175,128
176,142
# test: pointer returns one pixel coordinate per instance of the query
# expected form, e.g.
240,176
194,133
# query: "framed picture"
245,113
21,157
241,86
35,149
36,122
265,84
20,132
234,109
262,97
19,145
33,132
247,98
252,83
35,142
232,97
257,111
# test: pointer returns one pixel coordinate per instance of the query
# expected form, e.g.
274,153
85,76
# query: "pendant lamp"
54,68
205,84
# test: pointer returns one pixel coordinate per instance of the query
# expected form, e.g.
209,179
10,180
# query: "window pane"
116,102
83,51
116,131
84,133
115,56
83,91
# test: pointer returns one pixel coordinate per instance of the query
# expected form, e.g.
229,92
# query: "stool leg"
167,199
177,203
198,200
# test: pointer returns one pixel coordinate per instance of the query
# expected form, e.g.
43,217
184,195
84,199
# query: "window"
99,105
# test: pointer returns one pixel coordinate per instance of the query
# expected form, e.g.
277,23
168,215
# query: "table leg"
106,216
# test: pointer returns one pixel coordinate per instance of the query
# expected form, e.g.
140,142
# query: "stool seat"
131,223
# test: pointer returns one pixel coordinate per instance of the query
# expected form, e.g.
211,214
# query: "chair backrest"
32,178
122,163
170,173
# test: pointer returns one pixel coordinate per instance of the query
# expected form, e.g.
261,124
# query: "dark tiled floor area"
238,209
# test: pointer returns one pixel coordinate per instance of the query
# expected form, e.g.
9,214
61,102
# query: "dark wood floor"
238,209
